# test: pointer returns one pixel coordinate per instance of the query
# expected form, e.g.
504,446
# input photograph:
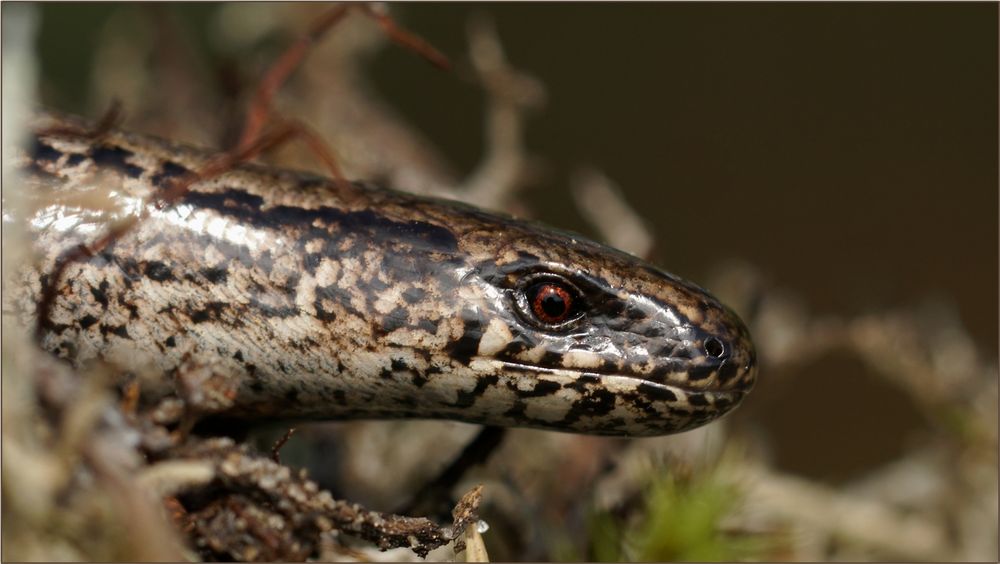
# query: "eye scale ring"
549,301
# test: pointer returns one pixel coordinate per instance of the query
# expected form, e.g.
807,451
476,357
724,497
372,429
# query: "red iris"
551,303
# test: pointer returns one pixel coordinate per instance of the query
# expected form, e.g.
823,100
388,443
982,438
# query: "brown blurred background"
846,152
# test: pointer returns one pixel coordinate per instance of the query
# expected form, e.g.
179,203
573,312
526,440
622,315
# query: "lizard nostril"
714,347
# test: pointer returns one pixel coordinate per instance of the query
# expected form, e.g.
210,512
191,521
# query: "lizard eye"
552,303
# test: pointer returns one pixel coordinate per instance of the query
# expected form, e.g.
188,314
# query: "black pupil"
553,305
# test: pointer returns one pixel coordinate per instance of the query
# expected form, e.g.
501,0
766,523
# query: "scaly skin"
329,301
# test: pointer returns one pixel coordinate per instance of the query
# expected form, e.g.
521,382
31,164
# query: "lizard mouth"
668,381
614,404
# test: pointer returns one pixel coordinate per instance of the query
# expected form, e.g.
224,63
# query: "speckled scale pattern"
354,301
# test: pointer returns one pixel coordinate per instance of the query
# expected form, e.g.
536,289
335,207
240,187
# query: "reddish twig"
109,120
261,106
314,142
276,449
406,39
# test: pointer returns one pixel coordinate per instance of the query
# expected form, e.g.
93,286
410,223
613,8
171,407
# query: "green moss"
678,518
